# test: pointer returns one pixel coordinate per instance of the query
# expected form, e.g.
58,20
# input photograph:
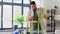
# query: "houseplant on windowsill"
18,19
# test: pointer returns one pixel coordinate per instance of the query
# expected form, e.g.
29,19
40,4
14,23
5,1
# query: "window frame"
0,16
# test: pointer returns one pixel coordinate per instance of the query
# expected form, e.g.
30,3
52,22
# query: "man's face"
33,6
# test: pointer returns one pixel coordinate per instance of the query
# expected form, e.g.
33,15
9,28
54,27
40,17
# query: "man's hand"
30,18
45,16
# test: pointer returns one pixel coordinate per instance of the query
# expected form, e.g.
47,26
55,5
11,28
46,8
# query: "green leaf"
18,18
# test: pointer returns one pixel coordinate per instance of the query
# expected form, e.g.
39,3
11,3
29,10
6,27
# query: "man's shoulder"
41,8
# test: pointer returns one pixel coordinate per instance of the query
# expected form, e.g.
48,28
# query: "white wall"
39,3
49,4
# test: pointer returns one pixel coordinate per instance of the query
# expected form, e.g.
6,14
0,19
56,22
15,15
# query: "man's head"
33,5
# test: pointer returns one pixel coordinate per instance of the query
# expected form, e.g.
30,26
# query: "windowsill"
10,30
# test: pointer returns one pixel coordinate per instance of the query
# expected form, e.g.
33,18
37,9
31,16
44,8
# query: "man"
34,14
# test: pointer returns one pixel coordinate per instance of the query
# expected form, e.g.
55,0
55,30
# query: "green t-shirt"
36,19
35,15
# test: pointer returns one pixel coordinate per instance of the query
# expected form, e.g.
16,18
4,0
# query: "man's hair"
32,2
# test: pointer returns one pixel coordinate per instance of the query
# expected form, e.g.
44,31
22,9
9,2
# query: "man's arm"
29,16
45,14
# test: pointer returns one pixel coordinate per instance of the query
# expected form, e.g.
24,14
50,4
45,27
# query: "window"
0,16
7,0
9,9
17,1
26,1
33,0
25,11
0,0
16,9
7,16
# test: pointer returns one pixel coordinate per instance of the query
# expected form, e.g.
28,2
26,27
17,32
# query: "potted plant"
18,19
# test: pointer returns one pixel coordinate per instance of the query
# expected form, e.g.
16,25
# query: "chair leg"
38,28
